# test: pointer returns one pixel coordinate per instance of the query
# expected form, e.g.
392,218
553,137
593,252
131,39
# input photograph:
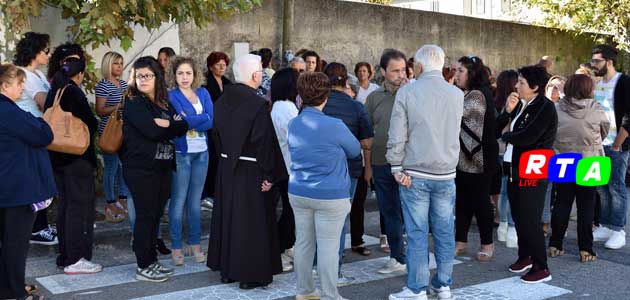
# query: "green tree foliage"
591,16
96,23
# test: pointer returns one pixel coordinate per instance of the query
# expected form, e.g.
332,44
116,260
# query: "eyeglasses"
143,77
596,61
46,50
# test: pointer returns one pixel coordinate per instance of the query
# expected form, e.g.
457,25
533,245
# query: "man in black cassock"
243,237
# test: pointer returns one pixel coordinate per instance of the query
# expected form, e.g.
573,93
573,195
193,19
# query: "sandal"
586,256
384,245
31,288
361,250
31,297
112,213
485,256
554,252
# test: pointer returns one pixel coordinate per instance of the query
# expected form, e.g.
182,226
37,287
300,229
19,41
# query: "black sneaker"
161,247
163,269
52,228
151,274
44,237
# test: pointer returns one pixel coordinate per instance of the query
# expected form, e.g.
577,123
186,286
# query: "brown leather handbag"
112,136
71,135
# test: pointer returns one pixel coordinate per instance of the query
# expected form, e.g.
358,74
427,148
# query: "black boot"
161,247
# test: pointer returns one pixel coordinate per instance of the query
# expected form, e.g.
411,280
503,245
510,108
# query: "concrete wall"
349,32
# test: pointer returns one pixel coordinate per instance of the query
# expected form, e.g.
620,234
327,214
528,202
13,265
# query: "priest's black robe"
243,236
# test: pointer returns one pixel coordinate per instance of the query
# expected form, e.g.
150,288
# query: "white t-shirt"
507,156
281,113
364,93
34,83
605,95
196,140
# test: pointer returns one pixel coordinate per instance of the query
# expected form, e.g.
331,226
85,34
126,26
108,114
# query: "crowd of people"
285,159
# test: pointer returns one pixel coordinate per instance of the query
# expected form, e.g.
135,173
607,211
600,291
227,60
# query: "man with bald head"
243,237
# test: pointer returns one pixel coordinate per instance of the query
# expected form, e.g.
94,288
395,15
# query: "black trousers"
75,212
41,220
526,204
209,186
357,212
585,200
150,190
473,199
286,223
598,210
15,232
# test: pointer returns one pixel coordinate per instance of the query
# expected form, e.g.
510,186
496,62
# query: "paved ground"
607,278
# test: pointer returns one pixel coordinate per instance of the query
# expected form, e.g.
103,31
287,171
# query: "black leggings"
473,199
357,213
585,200
286,223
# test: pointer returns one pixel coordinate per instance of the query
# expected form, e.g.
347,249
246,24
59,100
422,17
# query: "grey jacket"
582,125
424,128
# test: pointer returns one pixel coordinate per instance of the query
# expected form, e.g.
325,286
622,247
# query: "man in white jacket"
423,150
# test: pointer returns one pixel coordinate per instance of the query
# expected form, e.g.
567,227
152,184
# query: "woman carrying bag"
74,174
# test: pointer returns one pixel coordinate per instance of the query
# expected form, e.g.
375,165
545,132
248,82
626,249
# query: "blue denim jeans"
188,182
614,198
346,224
389,205
429,201
112,176
546,215
505,213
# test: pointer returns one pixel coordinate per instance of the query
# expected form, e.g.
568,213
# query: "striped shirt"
106,89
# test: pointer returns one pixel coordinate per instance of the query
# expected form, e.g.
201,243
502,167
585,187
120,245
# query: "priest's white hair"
245,66
431,57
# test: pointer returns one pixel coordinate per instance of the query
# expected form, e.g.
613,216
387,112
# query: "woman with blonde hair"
109,92
193,103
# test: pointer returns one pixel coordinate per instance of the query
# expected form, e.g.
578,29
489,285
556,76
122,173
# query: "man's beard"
601,72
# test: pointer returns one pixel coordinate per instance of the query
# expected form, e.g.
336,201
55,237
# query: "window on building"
481,7
435,6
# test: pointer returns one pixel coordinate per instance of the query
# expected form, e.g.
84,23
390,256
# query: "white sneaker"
601,234
502,231
617,240
511,238
207,204
407,294
443,293
392,266
286,263
343,280
82,266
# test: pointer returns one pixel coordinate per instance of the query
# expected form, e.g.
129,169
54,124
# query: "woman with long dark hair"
477,156
284,109
74,175
62,52
506,82
148,157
